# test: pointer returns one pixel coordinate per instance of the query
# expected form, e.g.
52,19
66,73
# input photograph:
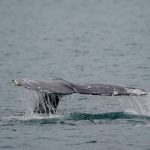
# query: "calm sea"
102,41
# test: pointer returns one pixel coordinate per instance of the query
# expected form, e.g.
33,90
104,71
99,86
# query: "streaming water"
139,105
35,101
136,105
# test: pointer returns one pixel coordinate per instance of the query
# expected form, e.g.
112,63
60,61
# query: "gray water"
80,41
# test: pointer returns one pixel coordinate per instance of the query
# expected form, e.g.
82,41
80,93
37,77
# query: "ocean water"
80,41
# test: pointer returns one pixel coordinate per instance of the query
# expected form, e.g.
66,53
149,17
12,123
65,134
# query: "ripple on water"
77,117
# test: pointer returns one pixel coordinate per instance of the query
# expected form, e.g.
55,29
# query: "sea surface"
100,41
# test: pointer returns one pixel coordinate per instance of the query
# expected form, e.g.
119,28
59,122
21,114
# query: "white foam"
31,117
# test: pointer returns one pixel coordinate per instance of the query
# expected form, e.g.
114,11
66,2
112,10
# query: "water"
80,41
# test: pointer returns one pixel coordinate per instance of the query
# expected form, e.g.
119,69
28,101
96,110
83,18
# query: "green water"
81,41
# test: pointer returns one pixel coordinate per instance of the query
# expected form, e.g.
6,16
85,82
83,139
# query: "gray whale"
53,90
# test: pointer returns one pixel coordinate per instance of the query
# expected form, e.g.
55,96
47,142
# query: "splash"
137,105
32,117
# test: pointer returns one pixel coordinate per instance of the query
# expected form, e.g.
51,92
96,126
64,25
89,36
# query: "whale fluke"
57,86
62,87
53,90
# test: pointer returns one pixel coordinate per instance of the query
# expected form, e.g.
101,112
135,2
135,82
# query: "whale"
52,91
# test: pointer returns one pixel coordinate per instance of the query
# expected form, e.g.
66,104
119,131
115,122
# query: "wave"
107,115
76,116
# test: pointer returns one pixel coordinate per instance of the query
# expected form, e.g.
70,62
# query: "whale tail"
47,98
51,92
